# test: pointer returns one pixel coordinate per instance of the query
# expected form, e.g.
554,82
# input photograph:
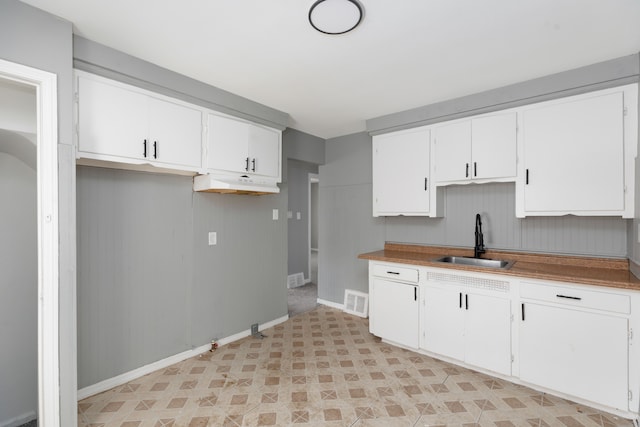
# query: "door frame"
45,84
313,178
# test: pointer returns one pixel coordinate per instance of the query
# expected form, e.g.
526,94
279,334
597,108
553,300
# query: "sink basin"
475,262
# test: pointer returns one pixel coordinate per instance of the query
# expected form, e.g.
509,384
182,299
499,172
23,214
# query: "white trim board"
121,379
46,84
330,304
19,420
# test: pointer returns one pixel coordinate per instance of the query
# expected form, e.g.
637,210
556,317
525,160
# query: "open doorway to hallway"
19,254
302,280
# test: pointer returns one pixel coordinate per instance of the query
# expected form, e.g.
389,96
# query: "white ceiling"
405,53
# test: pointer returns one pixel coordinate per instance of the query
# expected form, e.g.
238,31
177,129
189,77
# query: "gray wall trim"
616,72
107,62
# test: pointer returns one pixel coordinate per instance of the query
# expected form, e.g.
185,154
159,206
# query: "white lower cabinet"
394,306
467,325
570,339
573,341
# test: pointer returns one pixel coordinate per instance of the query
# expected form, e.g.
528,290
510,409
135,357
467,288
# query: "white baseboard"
121,379
330,304
19,420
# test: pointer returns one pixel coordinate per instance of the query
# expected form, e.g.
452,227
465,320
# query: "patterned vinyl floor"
323,368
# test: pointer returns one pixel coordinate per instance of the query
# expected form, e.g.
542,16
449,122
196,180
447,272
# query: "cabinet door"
579,353
175,133
574,156
227,144
493,149
264,151
488,332
111,120
452,151
401,173
394,312
444,321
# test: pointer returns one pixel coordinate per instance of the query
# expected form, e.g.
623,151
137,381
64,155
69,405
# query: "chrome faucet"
479,246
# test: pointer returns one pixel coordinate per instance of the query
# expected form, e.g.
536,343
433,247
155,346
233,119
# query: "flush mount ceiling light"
335,16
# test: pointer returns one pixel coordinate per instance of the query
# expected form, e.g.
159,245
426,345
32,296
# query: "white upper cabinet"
494,147
579,155
401,174
480,149
237,146
121,123
452,151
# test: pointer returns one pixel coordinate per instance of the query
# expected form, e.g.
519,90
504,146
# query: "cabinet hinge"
630,395
624,111
630,334
513,359
512,319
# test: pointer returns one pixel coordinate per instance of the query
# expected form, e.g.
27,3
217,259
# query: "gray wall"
304,152
18,288
149,286
149,257
302,146
347,227
37,39
298,229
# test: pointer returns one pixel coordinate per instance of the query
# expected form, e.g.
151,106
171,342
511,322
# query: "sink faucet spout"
479,246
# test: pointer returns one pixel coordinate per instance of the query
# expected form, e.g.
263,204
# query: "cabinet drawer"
576,297
393,272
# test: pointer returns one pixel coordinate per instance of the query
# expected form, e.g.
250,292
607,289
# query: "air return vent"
295,280
356,303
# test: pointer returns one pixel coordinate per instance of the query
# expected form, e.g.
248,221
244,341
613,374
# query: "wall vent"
295,280
356,303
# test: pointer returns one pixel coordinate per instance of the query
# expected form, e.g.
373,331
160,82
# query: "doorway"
314,183
33,160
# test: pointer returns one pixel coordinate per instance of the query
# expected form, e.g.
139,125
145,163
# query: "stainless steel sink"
475,262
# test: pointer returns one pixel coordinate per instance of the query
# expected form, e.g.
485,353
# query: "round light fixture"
335,16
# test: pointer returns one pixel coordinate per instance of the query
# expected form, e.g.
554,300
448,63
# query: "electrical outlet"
213,238
254,329
298,215
275,214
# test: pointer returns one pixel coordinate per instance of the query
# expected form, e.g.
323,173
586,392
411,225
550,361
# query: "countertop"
609,272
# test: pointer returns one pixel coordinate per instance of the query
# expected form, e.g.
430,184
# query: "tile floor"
323,368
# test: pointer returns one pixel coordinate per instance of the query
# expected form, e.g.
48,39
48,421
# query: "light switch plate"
298,216
275,214
213,238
